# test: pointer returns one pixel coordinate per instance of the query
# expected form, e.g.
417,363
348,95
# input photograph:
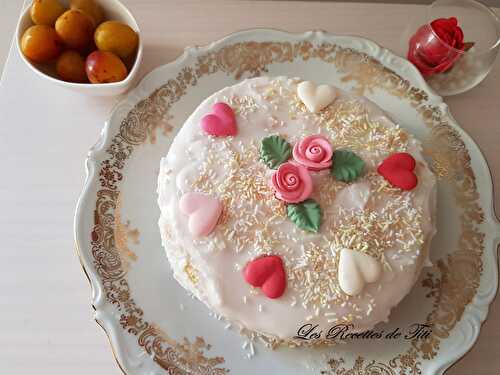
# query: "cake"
284,203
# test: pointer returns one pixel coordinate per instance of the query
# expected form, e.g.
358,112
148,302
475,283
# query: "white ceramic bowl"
114,10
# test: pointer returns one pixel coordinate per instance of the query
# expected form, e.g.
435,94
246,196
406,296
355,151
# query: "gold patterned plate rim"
369,69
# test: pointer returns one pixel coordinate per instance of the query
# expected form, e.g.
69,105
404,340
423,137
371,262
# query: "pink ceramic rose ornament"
314,152
292,183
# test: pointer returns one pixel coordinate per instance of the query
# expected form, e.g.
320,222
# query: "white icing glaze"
219,282
353,197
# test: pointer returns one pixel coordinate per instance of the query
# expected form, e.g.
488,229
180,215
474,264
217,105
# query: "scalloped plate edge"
477,309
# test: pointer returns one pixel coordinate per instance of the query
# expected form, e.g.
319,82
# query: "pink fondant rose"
314,152
292,183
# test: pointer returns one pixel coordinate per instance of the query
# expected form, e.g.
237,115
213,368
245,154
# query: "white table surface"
45,132
9,11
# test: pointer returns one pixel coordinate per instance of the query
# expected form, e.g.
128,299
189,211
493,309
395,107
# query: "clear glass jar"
449,63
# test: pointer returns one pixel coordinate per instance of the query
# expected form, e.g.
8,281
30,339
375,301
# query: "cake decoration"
274,151
315,98
314,152
203,211
357,269
398,169
306,215
221,122
347,166
268,273
292,183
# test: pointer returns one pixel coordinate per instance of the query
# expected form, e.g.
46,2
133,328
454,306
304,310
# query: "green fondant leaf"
306,215
274,151
347,166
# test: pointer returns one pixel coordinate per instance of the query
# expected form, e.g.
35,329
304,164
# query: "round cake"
285,203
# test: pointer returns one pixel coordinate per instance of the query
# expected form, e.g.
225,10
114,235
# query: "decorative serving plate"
155,327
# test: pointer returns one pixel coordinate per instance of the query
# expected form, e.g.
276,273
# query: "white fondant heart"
203,211
357,269
315,97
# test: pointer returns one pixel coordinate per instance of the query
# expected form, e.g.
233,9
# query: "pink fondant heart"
203,211
267,272
221,122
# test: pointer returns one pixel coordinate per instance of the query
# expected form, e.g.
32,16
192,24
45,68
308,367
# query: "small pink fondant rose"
314,152
292,183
